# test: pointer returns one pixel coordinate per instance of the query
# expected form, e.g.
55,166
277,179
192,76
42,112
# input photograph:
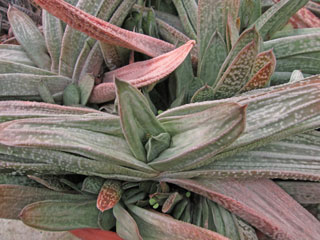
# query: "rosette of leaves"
230,164
223,151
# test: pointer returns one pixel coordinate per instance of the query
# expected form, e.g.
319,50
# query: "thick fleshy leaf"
15,67
212,59
10,110
14,198
154,225
73,40
55,215
216,127
261,203
308,65
302,192
95,234
20,85
104,31
189,24
238,73
232,32
109,195
86,84
45,93
140,74
126,226
92,184
245,38
138,122
71,95
296,157
53,33
15,53
29,36
10,179
87,143
296,76
290,46
277,16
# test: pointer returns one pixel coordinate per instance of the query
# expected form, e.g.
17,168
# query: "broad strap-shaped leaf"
15,53
212,59
141,74
308,65
139,123
216,127
302,192
238,73
109,195
87,143
232,32
14,198
261,203
25,86
262,70
103,31
296,157
291,46
53,33
16,67
277,16
10,110
21,180
55,215
126,226
154,225
87,233
29,37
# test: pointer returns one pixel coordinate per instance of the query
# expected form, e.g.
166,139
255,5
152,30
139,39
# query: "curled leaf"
143,73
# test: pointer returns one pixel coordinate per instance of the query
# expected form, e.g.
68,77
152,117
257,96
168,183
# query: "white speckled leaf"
15,53
29,36
16,67
158,226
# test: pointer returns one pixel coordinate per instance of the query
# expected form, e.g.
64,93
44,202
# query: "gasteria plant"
206,164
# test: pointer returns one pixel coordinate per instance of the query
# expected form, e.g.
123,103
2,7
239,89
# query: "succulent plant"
196,171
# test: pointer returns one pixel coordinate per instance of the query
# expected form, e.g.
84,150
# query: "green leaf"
16,67
277,16
54,215
126,226
187,9
14,198
138,122
45,93
306,64
86,84
290,46
26,85
53,33
205,93
238,73
29,36
15,53
261,203
10,179
212,59
92,184
226,124
73,40
250,11
71,95
154,225
302,192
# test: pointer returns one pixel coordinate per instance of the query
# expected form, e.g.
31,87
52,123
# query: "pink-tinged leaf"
94,234
304,19
158,226
140,74
263,59
261,78
109,195
261,203
104,31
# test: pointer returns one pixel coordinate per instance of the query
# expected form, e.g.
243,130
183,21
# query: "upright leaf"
138,122
29,36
